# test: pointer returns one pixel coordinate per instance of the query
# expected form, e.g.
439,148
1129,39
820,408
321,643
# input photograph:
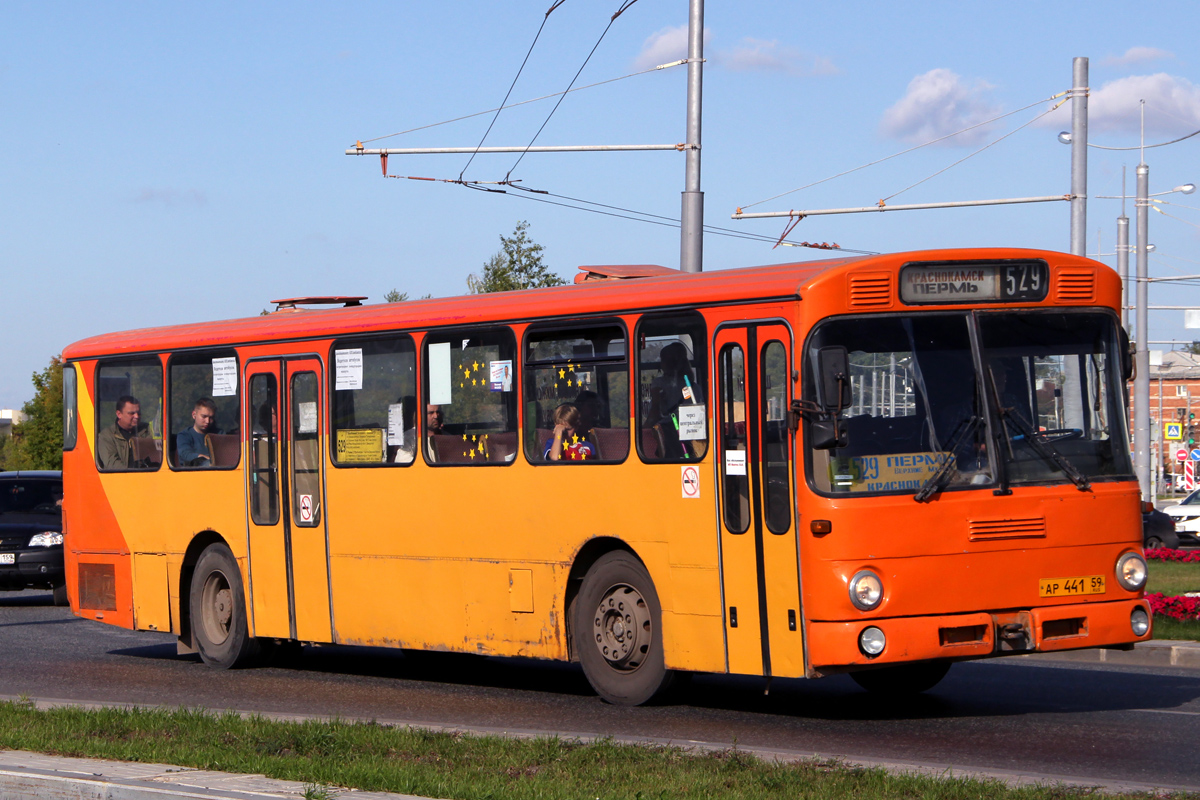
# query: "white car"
1187,518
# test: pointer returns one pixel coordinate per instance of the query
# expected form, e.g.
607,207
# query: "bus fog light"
1139,620
871,642
866,590
1131,571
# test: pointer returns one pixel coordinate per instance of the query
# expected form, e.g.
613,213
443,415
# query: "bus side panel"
425,556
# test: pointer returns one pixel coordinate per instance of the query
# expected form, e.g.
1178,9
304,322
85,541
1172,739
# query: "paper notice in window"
224,377
395,424
307,421
439,373
348,365
735,462
691,423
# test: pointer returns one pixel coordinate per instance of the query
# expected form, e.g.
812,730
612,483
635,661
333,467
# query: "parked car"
31,540
1158,529
1186,516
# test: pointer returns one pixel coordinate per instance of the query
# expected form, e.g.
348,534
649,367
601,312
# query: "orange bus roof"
585,299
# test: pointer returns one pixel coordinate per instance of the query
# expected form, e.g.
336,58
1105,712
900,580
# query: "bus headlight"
1139,620
1131,571
871,642
866,590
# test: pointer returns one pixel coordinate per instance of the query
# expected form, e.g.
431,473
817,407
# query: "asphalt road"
1092,723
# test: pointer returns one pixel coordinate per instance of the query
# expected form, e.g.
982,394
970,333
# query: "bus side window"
470,397
374,401
576,395
204,407
129,415
672,383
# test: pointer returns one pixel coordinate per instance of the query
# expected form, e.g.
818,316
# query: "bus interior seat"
502,447
225,449
652,442
146,448
613,443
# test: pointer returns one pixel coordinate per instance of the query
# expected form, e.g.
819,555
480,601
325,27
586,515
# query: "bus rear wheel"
902,679
618,631
218,611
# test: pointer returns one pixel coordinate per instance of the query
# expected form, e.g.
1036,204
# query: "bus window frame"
565,327
70,406
449,334
340,342
169,450
134,358
704,341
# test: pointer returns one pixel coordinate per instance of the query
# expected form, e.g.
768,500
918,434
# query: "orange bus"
878,465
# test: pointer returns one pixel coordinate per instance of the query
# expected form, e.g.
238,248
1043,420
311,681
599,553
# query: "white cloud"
936,104
1138,55
171,198
1172,106
759,55
669,44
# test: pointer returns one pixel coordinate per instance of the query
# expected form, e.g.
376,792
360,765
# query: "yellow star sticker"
466,374
473,437
464,437
481,447
475,367
472,455
474,381
569,383
574,438
562,373
570,366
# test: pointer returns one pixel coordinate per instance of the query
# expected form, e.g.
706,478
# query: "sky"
168,163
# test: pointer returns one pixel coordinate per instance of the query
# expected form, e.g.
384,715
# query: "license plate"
8,558
1065,587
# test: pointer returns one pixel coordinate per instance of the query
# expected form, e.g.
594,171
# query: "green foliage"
518,265
38,441
397,296
1193,348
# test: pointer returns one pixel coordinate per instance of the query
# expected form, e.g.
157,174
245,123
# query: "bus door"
759,558
289,563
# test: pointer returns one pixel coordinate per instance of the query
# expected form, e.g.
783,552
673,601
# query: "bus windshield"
944,401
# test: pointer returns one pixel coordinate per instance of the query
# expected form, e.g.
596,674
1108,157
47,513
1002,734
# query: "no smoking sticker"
306,508
690,478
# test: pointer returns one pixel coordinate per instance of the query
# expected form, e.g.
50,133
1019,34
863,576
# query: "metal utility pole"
1079,132
1141,384
1123,255
691,228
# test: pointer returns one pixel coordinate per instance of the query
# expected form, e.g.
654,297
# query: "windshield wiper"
1047,451
938,479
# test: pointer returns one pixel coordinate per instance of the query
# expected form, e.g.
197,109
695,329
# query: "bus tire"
60,595
902,679
618,628
218,611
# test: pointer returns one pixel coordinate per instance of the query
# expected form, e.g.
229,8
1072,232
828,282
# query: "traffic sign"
1181,454
1195,454
1173,431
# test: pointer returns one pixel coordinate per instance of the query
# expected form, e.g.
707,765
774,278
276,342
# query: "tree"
38,441
397,296
518,265
1193,348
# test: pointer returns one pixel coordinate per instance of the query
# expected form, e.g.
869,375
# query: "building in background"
8,418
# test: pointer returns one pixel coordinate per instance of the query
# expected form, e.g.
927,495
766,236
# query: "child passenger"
569,442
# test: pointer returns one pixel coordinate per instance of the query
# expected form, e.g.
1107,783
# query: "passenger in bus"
112,445
265,420
570,440
676,386
190,448
433,427
588,403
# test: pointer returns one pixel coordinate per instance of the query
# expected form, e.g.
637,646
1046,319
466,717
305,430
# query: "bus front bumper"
963,636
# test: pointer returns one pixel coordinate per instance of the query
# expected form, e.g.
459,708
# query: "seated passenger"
569,442
190,448
112,444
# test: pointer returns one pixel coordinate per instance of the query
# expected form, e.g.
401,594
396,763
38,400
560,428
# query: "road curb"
1154,653
35,776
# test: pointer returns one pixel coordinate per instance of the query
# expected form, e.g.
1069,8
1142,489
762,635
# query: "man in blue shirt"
190,448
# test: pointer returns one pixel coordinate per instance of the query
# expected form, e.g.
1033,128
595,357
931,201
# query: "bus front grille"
982,530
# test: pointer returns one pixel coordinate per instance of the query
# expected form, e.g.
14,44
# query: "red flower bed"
1181,608
1167,554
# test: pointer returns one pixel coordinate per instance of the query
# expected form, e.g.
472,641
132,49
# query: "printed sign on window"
308,418
224,377
735,462
395,428
348,366
691,423
360,446
439,373
500,375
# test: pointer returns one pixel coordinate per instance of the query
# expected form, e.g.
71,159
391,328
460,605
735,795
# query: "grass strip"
458,766
1168,628
1172,577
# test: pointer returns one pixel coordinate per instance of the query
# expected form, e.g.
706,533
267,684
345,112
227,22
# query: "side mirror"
1126,353
833,366
826,434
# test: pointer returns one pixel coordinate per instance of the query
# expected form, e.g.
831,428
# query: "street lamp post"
1141,384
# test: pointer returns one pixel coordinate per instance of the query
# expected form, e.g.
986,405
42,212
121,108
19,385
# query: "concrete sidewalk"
34,776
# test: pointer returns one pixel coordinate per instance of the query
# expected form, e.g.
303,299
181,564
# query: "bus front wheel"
902,679
618,631
218,611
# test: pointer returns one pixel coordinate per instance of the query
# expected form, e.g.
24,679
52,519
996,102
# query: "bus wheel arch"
195,547
616,625
218,619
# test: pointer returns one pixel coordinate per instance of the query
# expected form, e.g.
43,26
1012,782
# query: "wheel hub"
621,627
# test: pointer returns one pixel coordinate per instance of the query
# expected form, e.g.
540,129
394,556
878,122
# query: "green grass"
1167,628
372,757
1172,577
